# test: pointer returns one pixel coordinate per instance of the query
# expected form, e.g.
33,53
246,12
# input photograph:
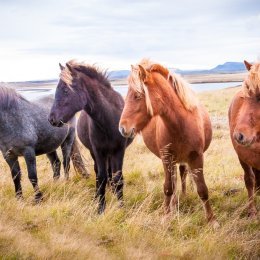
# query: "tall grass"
65,225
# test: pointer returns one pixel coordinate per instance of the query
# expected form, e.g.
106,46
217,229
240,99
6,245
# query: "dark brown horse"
175,127
244,122
84,87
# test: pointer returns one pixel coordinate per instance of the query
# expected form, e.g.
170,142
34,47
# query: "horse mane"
181,87
252,84
187,97
91,71
9,98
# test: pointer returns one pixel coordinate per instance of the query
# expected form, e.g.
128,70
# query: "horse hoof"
252,214
214,224
56,178
38,197
121,204
101,209
19,196
166,218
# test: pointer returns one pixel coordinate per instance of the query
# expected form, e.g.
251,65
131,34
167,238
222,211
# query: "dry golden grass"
65,225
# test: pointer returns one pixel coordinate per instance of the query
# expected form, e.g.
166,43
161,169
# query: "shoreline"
191,78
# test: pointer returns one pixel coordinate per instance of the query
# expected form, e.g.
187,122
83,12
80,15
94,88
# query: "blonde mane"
187,97
181,87
251,85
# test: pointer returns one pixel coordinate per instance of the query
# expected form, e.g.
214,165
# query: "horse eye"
137,96
258,99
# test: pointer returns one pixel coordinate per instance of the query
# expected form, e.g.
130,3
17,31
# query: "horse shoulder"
150,136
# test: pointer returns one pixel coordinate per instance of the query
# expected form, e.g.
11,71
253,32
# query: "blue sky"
37,35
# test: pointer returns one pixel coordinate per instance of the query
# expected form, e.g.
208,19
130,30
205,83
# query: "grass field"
65,225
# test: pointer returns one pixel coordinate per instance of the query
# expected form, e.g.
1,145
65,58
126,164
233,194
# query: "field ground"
65,225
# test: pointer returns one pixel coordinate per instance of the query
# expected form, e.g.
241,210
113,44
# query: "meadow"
65,225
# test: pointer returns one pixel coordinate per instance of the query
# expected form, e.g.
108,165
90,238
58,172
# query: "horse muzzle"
243,140
54,122
127,134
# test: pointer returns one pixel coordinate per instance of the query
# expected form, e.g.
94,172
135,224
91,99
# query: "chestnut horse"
175,127
244,123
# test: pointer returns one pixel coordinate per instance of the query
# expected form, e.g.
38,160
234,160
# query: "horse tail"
77,160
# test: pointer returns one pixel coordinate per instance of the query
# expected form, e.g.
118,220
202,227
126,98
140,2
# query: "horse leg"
66,148
55,164
95,163
109,172
170,170
16,175
257,180
117,181
249,178
29,155
196,165
101,182
183,173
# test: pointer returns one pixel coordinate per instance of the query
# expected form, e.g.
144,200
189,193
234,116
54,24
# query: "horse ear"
172,81
71,69
61,67
143,73
248,65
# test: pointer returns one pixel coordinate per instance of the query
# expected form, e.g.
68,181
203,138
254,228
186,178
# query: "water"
36,93
197,87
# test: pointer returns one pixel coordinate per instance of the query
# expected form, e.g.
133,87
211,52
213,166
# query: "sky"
36,35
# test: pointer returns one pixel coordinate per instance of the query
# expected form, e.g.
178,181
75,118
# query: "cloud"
186,34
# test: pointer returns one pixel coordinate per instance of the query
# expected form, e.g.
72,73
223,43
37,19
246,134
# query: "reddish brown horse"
175,127
244,122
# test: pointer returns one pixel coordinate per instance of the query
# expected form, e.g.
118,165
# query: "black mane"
95,73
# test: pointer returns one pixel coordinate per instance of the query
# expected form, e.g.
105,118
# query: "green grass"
65,225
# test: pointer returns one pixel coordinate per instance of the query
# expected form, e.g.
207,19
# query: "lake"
35,93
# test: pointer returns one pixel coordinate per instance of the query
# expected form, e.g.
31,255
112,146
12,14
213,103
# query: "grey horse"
25,131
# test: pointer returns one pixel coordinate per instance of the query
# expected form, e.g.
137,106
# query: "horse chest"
250,157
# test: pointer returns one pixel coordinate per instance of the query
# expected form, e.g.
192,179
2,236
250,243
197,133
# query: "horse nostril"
240,137
51,120
122,130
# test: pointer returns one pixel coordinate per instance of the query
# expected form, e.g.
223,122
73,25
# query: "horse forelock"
251,85
9,98
66,77
136,84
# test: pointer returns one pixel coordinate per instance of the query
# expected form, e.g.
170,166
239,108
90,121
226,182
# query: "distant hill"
230,67
118,74
227,67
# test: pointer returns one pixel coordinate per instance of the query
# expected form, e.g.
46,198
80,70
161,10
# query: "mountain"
230,67
118,74
227,67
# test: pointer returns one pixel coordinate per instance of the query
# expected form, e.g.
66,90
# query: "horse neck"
172,111
98,105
